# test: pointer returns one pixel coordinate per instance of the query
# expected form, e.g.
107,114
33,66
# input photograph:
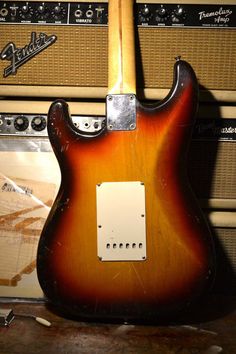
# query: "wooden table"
211,331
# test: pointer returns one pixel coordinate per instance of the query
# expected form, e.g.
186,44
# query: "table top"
211,332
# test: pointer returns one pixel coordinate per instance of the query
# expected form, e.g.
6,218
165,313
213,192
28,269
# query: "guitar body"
179,262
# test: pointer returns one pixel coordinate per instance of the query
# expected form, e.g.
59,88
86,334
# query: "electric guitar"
125,238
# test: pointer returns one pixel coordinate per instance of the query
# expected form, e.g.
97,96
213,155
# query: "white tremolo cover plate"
121,221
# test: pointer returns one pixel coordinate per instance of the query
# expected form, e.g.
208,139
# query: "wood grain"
121,48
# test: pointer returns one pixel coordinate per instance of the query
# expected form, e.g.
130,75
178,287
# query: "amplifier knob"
25,8
145,11
41,9
58,12
145,14
178,14
21,123
42,12
162,14
57,9
26,11
38,123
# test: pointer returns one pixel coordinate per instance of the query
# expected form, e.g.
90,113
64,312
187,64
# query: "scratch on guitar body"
65,147
115,276
139,278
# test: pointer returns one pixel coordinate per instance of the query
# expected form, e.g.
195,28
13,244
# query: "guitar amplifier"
59,49
212,156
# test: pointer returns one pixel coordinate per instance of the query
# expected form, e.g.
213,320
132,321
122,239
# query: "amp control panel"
189,15
146,14
53,12
27,125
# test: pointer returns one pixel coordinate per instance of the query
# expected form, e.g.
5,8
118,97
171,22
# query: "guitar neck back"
121,58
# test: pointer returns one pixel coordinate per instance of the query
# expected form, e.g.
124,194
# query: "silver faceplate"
121,221
121,112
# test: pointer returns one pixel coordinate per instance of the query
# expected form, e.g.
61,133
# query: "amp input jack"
3,12
89,13
78,13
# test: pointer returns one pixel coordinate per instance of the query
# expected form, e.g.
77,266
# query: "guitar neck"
121,48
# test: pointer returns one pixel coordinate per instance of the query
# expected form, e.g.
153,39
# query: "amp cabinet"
61,49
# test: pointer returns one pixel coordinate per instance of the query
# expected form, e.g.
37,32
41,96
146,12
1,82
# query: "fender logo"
19,56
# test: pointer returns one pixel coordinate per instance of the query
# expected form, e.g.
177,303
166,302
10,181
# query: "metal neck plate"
121,112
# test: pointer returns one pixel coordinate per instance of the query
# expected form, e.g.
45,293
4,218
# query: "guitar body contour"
179,263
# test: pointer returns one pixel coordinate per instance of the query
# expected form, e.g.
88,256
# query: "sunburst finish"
179,264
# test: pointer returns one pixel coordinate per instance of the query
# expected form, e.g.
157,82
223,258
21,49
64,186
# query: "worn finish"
25,336
179,260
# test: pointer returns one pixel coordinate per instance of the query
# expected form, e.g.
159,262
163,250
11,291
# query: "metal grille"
211,52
